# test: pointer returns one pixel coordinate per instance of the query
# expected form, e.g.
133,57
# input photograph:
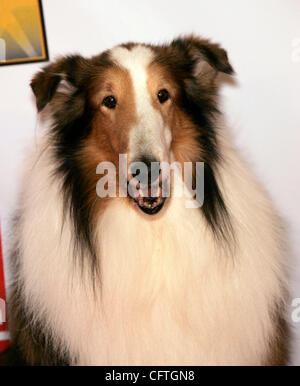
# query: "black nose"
152,168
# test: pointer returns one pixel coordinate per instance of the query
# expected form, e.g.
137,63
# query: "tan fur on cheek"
113,125
110,130
158,79
105,143
110,135
89,157
185,146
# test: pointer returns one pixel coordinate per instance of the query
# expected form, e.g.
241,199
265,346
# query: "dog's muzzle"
145,186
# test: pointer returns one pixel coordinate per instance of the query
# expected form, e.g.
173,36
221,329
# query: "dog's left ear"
207,58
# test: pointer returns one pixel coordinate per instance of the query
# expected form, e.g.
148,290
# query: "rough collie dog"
143,280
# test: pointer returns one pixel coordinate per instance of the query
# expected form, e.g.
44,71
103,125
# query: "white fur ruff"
170,294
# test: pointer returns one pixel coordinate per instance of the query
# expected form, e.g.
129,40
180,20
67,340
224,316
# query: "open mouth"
148,202
150,205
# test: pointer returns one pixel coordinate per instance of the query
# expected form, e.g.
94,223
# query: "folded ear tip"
34,84
229,70
222,61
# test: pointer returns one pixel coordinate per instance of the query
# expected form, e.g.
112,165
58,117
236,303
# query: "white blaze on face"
149,136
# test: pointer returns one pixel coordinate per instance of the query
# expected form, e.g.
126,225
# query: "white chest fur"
169,294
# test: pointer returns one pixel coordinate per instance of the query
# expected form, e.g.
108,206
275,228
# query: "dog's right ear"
64,75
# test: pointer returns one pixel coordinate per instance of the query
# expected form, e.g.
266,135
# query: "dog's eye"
163,95
109,101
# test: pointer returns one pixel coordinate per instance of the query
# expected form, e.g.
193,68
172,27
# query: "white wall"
263,108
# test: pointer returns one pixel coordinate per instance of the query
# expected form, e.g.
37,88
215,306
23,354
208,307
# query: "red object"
4,342
3,345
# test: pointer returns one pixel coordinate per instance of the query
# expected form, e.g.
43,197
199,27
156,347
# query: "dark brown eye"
110,102
163,95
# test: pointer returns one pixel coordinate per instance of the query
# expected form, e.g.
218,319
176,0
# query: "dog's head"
154,104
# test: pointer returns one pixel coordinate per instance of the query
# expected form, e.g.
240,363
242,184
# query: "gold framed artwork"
22,32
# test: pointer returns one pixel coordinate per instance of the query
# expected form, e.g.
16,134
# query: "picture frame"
22,32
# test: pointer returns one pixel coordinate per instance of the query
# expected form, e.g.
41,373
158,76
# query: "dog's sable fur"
96,281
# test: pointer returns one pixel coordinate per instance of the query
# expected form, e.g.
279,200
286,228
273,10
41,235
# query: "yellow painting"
22,32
